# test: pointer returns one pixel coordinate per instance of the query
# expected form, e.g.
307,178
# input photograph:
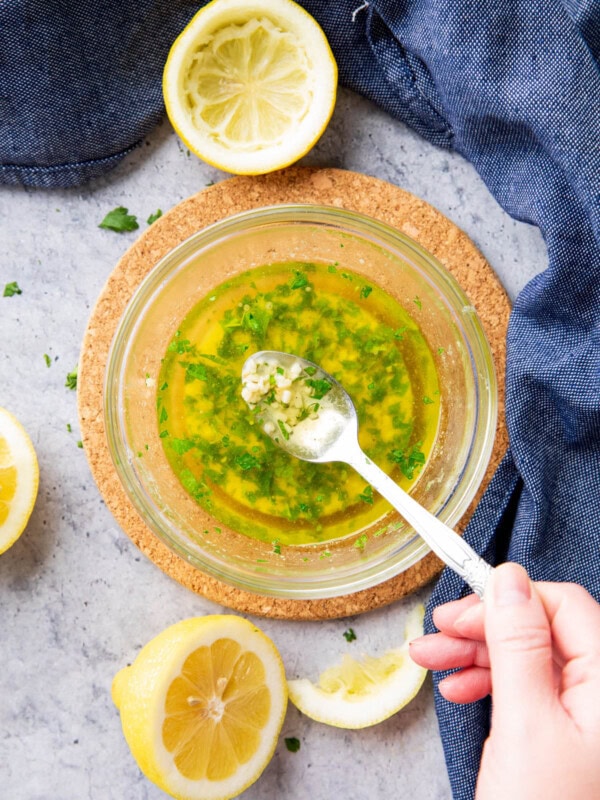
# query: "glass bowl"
389,260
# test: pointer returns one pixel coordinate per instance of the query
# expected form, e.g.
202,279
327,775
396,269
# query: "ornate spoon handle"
446,543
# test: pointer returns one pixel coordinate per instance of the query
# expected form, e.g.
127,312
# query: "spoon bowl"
309,414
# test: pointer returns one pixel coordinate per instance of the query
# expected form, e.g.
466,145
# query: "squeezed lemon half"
250,85
202,706
356,694
19,479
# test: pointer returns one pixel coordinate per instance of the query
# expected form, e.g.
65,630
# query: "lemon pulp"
250,86
19,478
202,706
361,692
215,711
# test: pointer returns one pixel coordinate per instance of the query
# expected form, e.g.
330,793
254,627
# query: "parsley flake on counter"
119,220
71,381
292,744
80,444
47,359
349,635
11,289
153,217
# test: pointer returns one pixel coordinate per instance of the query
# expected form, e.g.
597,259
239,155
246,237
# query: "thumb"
519,643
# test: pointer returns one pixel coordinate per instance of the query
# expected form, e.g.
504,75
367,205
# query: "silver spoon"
330,433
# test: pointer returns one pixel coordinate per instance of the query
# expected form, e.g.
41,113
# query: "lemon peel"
202,706
19,479
359,693
250,85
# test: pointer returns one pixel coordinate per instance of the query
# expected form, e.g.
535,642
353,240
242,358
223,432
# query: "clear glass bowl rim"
380,233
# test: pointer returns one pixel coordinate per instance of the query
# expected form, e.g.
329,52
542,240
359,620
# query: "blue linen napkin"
515,88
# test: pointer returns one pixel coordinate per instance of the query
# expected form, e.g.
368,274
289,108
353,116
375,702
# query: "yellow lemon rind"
24,458
340,710
139,693
290,16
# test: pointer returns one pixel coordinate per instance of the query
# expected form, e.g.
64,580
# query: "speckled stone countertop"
77,599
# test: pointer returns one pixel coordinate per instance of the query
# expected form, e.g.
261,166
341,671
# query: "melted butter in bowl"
328,315
375,311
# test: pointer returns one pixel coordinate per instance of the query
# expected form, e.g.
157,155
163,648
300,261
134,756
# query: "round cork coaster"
332,187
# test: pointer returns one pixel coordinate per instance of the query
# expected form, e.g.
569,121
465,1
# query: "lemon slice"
356,694
202,706
19,479
250,85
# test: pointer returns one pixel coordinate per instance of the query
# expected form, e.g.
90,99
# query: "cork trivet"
331,187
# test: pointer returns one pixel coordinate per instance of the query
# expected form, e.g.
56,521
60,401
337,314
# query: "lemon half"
250,85
202,706
356,694
19,479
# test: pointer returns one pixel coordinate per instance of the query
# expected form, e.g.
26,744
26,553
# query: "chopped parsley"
361,542
153,217
367,495
299,281
349,635
11,289
292,744
247,461
195,372
47,359
366,291
119,220
408,462
319,386
180,446
71,381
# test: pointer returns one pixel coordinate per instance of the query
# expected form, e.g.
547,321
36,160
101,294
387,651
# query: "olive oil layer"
353,330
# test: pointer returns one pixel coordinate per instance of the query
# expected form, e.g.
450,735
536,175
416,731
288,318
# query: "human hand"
536,647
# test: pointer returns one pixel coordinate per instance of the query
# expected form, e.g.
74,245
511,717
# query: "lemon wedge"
19,479
356,694
250,85
202,706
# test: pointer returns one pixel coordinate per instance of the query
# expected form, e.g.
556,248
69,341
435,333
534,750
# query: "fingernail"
510,585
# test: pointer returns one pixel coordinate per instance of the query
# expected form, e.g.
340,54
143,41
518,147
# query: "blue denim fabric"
515,88
80,84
